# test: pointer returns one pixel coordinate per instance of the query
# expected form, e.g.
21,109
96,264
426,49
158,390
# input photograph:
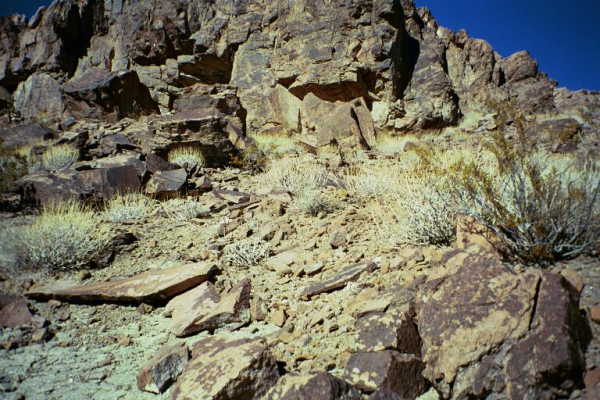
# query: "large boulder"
224,367
99,93
486,329
39,97
99,184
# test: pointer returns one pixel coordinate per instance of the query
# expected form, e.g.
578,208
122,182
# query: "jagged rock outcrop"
116,58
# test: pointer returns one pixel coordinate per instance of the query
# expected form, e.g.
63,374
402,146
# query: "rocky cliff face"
115,58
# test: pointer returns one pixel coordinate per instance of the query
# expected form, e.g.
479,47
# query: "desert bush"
128,207
542,211
183,209
313,202
64,236
246,253
295,175
59,157
188,157
276,145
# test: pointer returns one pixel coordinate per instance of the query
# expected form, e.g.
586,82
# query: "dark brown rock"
14,312
322,386
24,134
163,369
488,329
98,93
393,330
208,312
227,368
167,182
339,281
388,371
155,286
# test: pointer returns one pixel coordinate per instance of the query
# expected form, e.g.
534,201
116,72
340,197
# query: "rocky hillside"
290,200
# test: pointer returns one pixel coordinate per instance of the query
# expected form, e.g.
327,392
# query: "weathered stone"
24,135
14,312
100,183
99,93
163,369
338,281
388,371
232,309
39,97
167,181
322,386
155,163
395,330
521,330
106,182
155,286
232,196
203,294
227,368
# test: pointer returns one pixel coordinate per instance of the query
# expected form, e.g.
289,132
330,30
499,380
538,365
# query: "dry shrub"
183,209
295,175
188,157
276,145
246,253
59,157
129,207
64,236
541,209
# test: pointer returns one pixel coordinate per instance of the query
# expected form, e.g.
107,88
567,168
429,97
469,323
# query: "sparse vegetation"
64,236
189,157
128,207
246,253
276,145
295,175
59,157
183,209
313,202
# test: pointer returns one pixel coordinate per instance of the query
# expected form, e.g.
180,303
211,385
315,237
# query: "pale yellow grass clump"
59,157
295,175
184,209
66,235
129,207
276,145
188,157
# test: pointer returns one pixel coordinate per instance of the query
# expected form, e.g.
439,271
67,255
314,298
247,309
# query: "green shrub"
59,157
64,236
128,207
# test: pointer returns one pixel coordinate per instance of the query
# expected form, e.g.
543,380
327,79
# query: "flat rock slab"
321,386
206,314
338,281
227,367
163,369
155,286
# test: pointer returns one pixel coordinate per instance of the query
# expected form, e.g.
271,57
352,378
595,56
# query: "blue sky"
563,37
